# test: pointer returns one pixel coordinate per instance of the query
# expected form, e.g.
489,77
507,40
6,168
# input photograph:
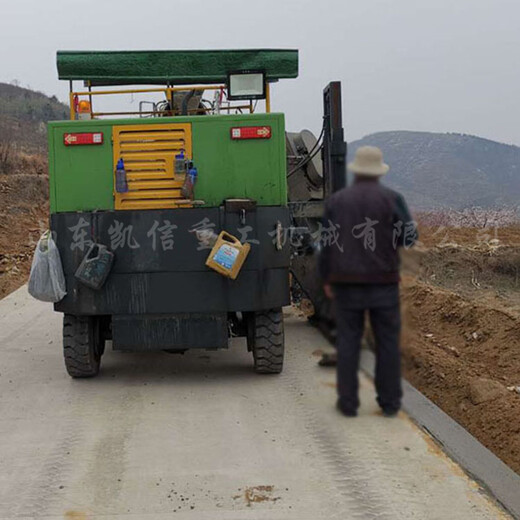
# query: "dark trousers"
382,303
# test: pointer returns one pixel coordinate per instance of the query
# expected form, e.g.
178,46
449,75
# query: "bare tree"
6,151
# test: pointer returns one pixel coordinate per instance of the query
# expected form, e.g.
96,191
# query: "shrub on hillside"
474,217
13,161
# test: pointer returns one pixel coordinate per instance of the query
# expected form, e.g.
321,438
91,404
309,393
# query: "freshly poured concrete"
201,436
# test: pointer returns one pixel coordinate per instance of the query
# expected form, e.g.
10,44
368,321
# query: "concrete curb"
482,465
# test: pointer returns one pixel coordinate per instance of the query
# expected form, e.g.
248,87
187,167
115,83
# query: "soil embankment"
23,217
461,340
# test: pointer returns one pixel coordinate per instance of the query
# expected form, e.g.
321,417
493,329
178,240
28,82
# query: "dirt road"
201,436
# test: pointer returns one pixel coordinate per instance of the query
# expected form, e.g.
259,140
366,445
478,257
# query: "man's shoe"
345,411
390,412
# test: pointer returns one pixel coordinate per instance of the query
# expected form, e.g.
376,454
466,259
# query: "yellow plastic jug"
228,255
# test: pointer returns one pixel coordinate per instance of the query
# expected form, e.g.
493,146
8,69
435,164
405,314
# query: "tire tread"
269,342
79,346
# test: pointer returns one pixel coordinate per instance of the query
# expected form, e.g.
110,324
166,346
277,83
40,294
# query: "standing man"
360,271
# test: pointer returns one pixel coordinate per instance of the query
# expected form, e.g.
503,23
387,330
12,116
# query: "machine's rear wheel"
82,345
267,342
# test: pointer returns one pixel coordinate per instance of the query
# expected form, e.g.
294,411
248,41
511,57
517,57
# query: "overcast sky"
433,65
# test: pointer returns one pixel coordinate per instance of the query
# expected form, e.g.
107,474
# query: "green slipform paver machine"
159,293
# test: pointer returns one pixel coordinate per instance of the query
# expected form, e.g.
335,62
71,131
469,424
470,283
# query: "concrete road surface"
201,436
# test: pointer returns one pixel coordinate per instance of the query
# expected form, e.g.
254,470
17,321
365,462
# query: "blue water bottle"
121,181
180,163
189,183
193,175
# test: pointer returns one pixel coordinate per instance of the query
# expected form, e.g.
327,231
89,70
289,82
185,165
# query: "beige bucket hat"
369,162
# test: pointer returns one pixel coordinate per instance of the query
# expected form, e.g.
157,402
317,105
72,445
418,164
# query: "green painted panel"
81,177
252,168
177,67
52,169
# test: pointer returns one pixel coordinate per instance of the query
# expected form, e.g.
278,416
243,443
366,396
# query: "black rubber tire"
82,345
268,343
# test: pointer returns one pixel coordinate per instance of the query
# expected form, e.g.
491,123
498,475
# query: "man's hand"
329,292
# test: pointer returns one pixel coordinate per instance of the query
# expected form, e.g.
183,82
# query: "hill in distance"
23,115
435,171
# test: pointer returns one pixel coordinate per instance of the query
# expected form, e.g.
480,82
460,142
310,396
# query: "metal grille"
148,152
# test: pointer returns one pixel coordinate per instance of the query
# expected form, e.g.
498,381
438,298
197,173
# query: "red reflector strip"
83,138
251,132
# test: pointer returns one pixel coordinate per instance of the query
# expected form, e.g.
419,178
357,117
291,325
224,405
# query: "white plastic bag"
47,281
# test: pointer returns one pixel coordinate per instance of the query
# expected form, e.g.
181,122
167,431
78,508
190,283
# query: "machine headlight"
246,85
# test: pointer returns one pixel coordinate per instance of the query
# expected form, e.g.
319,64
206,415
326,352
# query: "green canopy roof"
175,67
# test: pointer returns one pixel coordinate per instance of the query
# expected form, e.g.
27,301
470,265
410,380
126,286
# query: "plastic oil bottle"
189,183
228,255
180,163
121,180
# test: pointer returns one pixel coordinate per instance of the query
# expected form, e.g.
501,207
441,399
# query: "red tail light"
83,138
251,132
